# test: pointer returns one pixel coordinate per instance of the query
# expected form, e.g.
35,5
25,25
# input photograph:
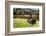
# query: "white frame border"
22,29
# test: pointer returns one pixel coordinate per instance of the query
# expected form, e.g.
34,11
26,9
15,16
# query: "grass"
22,23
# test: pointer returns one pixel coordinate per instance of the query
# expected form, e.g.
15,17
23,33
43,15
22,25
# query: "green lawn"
22,23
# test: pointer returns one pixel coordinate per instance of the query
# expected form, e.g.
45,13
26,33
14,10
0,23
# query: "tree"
14,11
